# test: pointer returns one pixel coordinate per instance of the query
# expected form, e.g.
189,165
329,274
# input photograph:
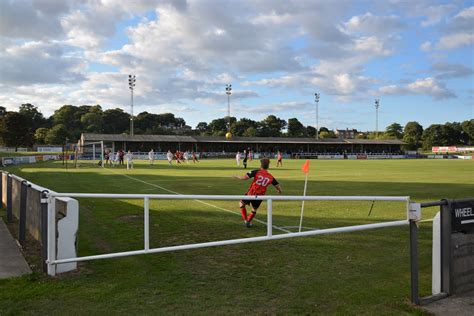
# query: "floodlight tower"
131,85
228,91
377,105
316,100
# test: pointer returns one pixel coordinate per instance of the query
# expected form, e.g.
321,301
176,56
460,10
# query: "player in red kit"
261,180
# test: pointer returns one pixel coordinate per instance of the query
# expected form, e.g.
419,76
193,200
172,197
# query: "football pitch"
352,273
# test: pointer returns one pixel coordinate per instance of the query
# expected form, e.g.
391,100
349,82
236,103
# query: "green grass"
354,273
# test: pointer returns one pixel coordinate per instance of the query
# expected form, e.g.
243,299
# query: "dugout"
163,143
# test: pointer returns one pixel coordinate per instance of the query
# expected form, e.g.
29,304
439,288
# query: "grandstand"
213,144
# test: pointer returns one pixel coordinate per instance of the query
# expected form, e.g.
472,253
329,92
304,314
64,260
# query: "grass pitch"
358,273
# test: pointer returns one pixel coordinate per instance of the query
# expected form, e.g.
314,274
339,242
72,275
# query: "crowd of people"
126,158
120,157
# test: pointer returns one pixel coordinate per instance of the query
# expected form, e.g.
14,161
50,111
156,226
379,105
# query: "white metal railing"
51,261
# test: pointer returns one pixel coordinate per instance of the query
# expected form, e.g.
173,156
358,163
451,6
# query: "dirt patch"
131,218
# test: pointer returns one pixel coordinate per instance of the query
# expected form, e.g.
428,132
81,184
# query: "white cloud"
32,20
276,107
372,24
425,86
455,40
39,62
426,46
446,70
434,14
372,46
458,31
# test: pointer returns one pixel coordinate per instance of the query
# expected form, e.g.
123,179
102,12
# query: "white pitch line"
205,203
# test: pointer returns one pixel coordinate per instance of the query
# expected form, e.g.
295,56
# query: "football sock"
243,211
251,216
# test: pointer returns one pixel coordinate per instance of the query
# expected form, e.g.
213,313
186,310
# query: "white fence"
412,213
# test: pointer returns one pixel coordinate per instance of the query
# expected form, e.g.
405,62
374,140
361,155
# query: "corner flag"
305,169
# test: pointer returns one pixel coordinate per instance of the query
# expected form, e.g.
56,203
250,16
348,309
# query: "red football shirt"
261,180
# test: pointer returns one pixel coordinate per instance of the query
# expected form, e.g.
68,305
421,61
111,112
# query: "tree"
412,135
15,132
116,121
202,127
241,126
361,136
329,134
311,131
147,123
34,118
454,134
250,132
272,126
56,135
295,128
394,130
40,135
468,128
433,136
92,122
70,116
218,127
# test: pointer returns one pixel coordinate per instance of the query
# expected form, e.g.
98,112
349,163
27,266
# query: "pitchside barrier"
453,248
412,210
26,202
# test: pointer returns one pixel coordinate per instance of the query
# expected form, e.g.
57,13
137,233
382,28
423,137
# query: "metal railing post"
9,198
446,248
269,217
44,229
415,298
51,236
146,215
23,201
1,188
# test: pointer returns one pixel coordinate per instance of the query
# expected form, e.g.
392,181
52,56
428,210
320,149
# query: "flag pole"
302,204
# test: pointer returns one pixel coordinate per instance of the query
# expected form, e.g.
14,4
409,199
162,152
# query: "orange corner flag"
305,167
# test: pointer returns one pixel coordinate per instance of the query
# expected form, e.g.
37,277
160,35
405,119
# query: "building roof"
90,137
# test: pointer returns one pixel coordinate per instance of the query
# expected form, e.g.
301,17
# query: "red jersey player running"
261,180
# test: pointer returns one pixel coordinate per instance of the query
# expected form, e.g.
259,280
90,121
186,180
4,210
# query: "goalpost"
90,154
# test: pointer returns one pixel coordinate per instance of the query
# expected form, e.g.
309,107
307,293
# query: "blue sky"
415,56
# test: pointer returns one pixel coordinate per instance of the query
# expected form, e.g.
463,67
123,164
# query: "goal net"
90,155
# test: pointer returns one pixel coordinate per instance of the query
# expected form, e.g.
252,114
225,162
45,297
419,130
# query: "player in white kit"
169,156
151,156
237,158
129,157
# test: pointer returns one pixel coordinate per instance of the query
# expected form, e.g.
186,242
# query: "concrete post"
446,248
415,297
23,201
9,199
44,229
1,189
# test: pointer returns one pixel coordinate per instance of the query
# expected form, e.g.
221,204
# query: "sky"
416,57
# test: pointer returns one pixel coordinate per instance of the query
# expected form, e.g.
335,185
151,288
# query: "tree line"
28,126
